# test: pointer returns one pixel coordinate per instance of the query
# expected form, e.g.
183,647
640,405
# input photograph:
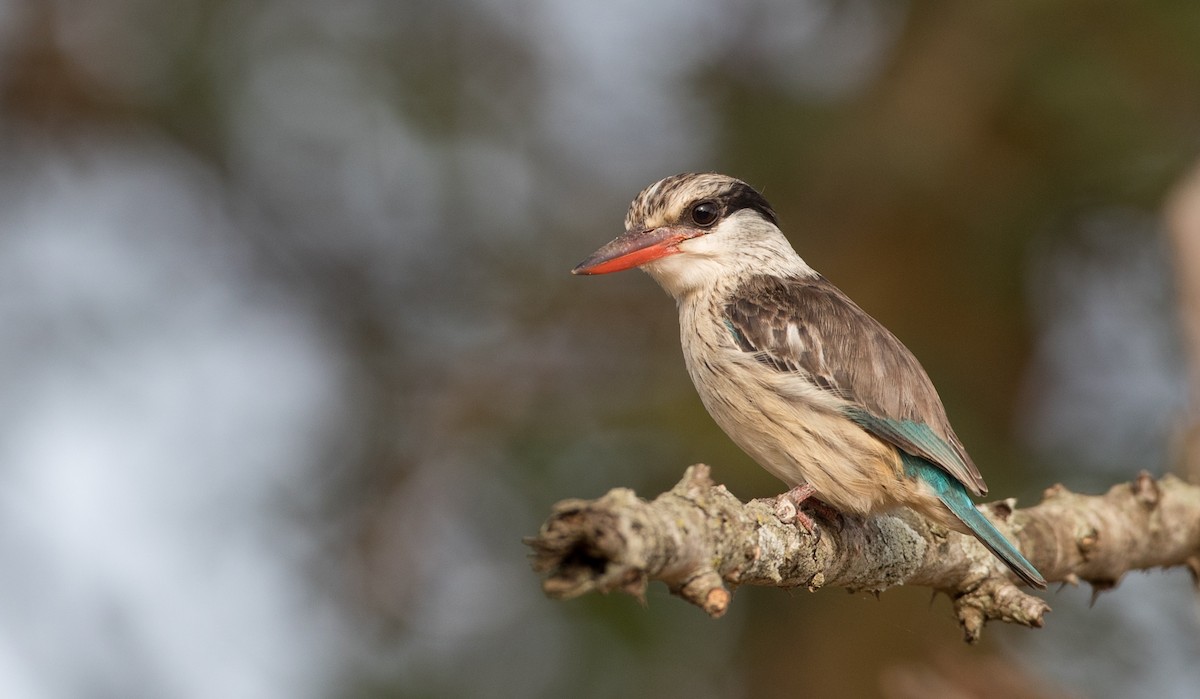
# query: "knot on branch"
619,542
997,599
591,546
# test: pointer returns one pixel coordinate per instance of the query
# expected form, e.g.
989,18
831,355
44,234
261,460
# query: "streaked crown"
670,200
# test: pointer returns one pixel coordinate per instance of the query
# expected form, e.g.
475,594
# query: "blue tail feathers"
954,495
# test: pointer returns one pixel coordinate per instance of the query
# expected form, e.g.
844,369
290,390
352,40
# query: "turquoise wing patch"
914,438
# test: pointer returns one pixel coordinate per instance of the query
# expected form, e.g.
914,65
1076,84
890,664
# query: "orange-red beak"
634,249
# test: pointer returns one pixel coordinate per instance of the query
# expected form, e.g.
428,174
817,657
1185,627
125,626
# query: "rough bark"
703,542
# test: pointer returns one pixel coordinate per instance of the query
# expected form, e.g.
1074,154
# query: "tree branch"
702,541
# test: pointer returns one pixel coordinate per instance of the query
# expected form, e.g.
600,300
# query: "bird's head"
693,231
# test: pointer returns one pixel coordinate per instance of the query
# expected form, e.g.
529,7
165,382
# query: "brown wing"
808,326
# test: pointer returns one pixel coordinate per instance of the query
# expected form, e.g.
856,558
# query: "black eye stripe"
743,196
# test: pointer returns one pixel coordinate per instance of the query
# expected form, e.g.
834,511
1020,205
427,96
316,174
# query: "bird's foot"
787,512
788,507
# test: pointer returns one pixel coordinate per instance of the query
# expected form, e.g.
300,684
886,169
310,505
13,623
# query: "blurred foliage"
419,177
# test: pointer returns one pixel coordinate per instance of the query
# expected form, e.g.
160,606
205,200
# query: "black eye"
705,213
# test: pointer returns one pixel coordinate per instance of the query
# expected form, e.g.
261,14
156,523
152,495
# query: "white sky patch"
616,97
156,403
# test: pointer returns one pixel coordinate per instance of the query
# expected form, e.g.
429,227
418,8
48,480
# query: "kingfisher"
809,385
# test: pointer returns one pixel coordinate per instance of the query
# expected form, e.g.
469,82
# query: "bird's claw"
788,507
787,511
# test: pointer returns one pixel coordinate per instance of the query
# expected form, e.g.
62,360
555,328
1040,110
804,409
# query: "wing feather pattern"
808,325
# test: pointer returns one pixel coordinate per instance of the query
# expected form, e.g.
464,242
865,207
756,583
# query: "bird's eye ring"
705,213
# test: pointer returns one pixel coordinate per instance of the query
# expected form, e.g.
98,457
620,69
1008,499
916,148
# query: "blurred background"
291,358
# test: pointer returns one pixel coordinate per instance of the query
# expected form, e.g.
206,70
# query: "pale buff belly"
795,432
